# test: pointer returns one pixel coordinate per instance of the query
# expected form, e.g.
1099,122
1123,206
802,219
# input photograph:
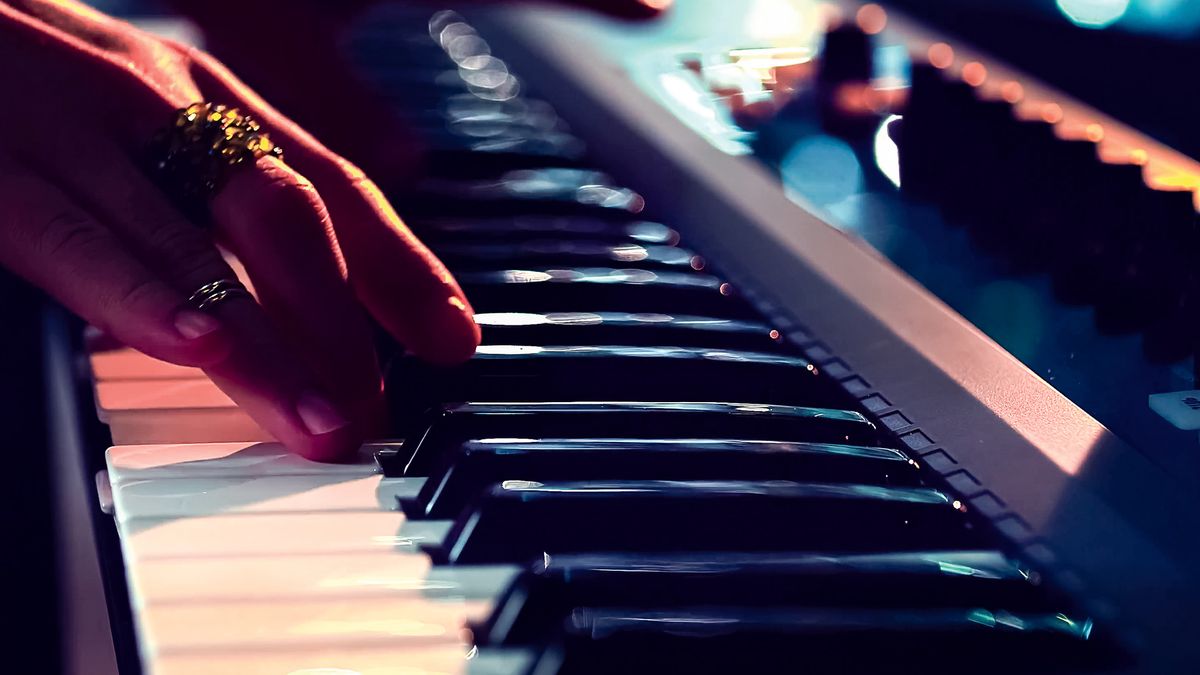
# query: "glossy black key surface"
556,190
567,252
624,328
538,601
516,521
520,228
603,289
816,640
611,373
445,429
481,463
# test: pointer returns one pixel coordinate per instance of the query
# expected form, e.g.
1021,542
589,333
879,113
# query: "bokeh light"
1093,13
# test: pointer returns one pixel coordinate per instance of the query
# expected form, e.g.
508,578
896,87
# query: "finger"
51,241
399,280
275,221
278,359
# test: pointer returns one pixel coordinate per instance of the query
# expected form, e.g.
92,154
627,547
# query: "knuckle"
68,232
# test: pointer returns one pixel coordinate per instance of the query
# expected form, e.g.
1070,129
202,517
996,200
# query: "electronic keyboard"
753,394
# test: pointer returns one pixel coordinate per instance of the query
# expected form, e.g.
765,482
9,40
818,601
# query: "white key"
215,627
274,534
161,497
440,660
127,363
309,577
227,460
172,411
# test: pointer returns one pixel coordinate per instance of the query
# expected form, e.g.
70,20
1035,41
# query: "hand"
83,221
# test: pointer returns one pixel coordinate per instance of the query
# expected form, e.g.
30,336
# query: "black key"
611,373
446,429
559,227
553,190
517,520
603,289
538,601
821,641
622,328
480,158
482,463
567,252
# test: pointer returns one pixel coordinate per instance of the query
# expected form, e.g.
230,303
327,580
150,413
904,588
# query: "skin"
320,243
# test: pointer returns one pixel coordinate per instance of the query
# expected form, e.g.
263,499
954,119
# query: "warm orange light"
1139,156
974,73
657,4
1095,133
774,334
871,18
941,55
1012,91
1052,113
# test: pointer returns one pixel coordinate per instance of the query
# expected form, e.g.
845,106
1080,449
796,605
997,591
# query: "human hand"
83,221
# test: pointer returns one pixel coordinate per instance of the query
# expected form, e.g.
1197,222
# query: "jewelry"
213,293
194,156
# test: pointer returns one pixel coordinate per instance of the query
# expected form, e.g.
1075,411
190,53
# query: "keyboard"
717,424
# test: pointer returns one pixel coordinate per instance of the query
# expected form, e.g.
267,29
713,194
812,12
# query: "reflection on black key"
482,463
568,252
804,640
516,521
560,227
602,289
446,429
624,328
550,190
542,597
612,373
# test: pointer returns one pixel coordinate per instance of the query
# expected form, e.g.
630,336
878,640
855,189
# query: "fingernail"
319,416
192,324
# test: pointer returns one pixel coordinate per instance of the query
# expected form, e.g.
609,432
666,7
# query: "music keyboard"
682,446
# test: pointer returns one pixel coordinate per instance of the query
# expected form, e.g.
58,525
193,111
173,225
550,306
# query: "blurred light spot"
510,319
887,154
821,169
941,55
1139,156
871,18
1093,13
1012,91
974,73
1052,113
1095,133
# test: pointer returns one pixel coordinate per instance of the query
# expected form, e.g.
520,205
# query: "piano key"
486,157
551,190
350,660
603,289
445,429
312,576
189,497
228,460
543,596
724,640
172,411
622,328
217,626
126,363
481,463
516,520
274,534
466,256
605,373
525,227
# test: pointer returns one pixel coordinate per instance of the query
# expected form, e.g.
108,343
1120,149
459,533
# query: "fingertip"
449,338
336,446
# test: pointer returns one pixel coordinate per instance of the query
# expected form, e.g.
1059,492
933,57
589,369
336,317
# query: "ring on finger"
213,293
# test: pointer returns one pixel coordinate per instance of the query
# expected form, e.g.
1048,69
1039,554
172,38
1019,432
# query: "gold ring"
193,156
213,293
